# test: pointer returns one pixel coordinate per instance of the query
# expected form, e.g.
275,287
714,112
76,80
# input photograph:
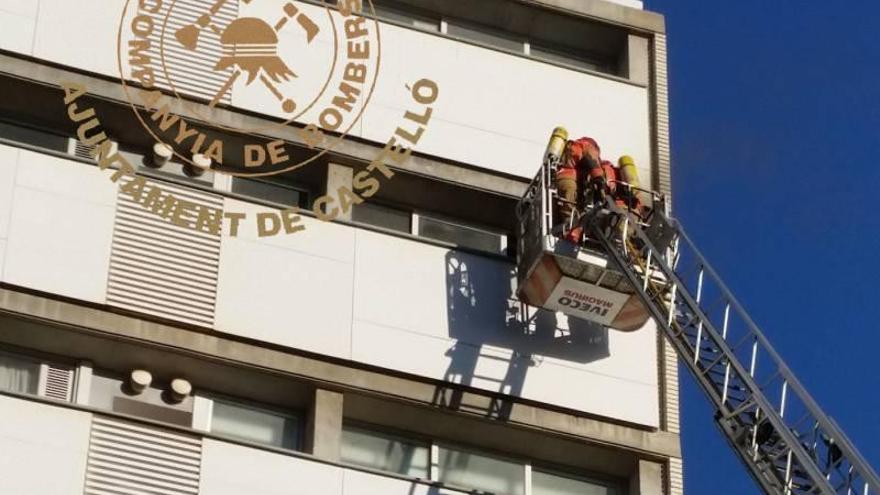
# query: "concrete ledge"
350,151
59,327
606,11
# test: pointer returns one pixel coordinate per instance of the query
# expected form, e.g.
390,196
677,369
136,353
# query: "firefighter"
579,162
629,191
608,181
612,188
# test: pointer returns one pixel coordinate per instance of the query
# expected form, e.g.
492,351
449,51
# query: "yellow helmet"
626,160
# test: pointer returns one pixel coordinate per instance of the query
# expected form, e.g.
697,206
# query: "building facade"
315,341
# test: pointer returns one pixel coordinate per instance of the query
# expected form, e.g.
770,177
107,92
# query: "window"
556,39
255,424
34,137
382,216
565,57
19,374
275,192
400,15
460,235
484,35
544,483
481,472
384,452
460,468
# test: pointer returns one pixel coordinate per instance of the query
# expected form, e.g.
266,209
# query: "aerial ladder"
788,444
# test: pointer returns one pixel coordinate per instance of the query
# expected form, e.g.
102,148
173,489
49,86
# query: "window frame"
42,371
504,237
565,52
405,436
602,69
391,206
491,31
562,472
70,140
46,361
434,445
305,193
480,451
298,416
417,15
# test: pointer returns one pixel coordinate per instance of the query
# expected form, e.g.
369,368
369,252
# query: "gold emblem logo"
218,52
180,60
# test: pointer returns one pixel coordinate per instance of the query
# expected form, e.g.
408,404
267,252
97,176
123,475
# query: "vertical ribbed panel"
669,395
676,476
163,269
670,371
660,96
59,383
192,71
130,459
661,114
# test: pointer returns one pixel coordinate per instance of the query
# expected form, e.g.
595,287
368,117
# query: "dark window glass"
274,192
485,36
18,374
481,472
34,137
460,235
401,15
564,57
544,483
382,216
384,452
255,424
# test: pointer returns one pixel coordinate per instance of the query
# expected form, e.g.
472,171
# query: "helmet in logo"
252,46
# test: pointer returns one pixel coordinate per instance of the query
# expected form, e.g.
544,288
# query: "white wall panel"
65,177
229,469
497,110
413,277
2,256
8,166
440,314
455,315
43,449
79,34
18,19
623,385
26,8
61,227
291,290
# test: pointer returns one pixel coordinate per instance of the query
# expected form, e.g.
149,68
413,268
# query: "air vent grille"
59,383
162,269
127,458
191,69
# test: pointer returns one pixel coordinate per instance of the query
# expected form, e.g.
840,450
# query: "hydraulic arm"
788,444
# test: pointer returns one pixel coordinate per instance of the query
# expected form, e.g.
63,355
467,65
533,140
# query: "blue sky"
776,163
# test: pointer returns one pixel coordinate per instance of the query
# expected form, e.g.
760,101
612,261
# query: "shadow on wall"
501,337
